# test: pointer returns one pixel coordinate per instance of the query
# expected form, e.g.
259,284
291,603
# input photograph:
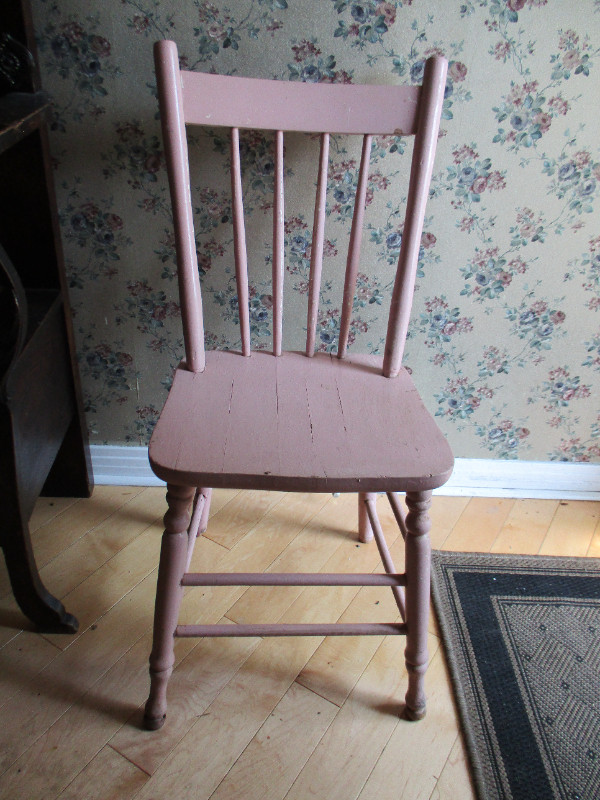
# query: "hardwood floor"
248,718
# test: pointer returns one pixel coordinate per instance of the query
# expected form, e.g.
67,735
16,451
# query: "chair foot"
154,723
155,711
415,699
414,714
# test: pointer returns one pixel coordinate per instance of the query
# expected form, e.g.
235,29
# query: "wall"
505,329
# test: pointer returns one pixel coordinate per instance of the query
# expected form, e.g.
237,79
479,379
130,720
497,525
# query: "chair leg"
417,591
173,557
365,532
207,493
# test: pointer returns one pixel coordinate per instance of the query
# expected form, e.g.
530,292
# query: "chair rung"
306,629
292,579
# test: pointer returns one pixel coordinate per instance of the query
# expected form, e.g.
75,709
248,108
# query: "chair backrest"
193,98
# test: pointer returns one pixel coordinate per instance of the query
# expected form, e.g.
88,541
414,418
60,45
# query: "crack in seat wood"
297,424
309,421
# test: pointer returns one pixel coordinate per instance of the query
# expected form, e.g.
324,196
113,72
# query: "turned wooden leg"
417,590
35,601
365,532
173,557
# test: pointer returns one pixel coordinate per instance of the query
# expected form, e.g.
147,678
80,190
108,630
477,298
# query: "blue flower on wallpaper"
458,400
298,244
311,66
528,109
107,369
417,71
588,266
471,180
529,115
593,353
561,389
576,450
260,314
393,241
440,324
216,28
558,394
390,237
220,28
494,361
369,20
575,56
470,177
135,153
145,420
95,238
576,179
298,248
81,56
150,18
489,274
503,437
538,322
151,309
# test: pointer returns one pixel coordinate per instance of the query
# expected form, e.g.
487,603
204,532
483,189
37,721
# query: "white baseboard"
116,465
482,477
479,477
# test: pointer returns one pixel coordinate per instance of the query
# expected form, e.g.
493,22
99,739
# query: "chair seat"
293,423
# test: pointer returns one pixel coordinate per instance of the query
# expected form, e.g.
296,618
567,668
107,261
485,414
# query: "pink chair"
294,421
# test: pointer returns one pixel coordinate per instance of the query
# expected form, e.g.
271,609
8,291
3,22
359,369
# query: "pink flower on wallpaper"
502,50
387,11
457,71
559,105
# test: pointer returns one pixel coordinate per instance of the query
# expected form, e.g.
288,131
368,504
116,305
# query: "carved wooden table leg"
34,600
417,591
173,557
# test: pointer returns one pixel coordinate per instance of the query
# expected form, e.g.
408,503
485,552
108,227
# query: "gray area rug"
522,639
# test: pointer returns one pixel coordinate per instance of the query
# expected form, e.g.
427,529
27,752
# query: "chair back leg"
172,565
365,531
417,592
207,494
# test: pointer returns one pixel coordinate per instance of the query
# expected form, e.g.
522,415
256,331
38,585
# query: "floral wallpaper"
504,341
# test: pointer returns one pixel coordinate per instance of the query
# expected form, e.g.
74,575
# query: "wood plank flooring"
274,718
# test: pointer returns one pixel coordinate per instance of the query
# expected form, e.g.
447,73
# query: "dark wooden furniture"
43,443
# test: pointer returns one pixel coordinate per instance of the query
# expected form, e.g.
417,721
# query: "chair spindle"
318,238
354,245
278,245
239,237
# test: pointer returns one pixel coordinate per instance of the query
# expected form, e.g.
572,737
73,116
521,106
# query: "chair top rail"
226,101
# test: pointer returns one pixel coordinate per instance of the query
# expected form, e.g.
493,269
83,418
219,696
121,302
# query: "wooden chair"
294,421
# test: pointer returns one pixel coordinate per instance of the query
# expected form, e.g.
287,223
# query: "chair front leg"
173,558
417,591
